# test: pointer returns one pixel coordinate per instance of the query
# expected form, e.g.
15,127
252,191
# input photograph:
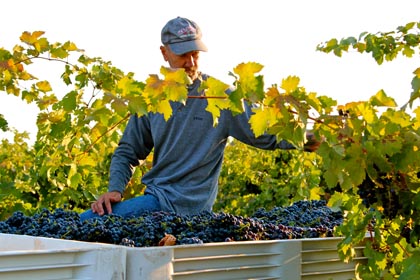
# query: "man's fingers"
98,208
108,206
104,203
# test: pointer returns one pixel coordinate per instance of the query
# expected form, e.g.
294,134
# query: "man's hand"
105,200
312,144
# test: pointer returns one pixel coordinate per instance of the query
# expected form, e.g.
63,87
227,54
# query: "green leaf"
69,101
3,123
415,85
119,106
401,118
236,101
411,267
137,105
46,101
59,52
72,176
355,164
336,201
408,51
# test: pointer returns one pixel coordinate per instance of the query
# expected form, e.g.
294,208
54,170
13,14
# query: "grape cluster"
303,219
381,193
300,220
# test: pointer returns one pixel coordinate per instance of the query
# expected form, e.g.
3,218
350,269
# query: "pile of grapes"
303,219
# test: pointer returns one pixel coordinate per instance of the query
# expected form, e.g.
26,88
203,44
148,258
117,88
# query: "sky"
280,35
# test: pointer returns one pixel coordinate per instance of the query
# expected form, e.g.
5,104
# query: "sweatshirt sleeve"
240,129
135,145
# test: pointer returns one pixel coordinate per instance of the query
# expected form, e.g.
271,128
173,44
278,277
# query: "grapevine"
367,165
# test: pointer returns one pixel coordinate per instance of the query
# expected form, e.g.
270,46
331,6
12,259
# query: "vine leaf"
44,86
262,119
251,86
31,38
290,84
217,99
381,99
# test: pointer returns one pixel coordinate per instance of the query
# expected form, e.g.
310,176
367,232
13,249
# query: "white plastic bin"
225,260
308,259
320,260
26,257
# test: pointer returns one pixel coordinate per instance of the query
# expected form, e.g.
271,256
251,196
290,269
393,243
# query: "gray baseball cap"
182,35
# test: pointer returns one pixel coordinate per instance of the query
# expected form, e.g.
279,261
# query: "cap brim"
188,46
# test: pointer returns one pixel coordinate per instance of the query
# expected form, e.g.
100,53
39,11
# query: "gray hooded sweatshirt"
188,153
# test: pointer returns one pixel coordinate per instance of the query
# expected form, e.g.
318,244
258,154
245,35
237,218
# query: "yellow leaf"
72,176
70,46
177,75
7,76
417,120
87,161
262,119
381,99
398,117
290,84
271,96
332,43
247,69
44,86
165,109
248,81
175,91
215,87
125,85
367,112
217,97
31,38
381,263
43,102
56,116
213,109
154,88
417,72
315,193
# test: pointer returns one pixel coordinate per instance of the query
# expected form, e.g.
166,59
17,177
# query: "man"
188,149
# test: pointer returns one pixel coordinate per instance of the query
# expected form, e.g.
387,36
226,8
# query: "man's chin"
193,75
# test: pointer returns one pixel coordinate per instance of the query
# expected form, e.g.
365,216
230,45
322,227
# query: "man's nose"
189,61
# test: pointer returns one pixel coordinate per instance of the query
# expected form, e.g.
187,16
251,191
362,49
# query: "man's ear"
163,51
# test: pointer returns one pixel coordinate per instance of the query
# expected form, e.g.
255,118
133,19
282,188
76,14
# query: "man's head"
182,35
181,39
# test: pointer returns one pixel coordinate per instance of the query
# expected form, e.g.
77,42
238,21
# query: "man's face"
188,61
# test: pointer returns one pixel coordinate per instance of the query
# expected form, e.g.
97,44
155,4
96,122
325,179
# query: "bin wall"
25,257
